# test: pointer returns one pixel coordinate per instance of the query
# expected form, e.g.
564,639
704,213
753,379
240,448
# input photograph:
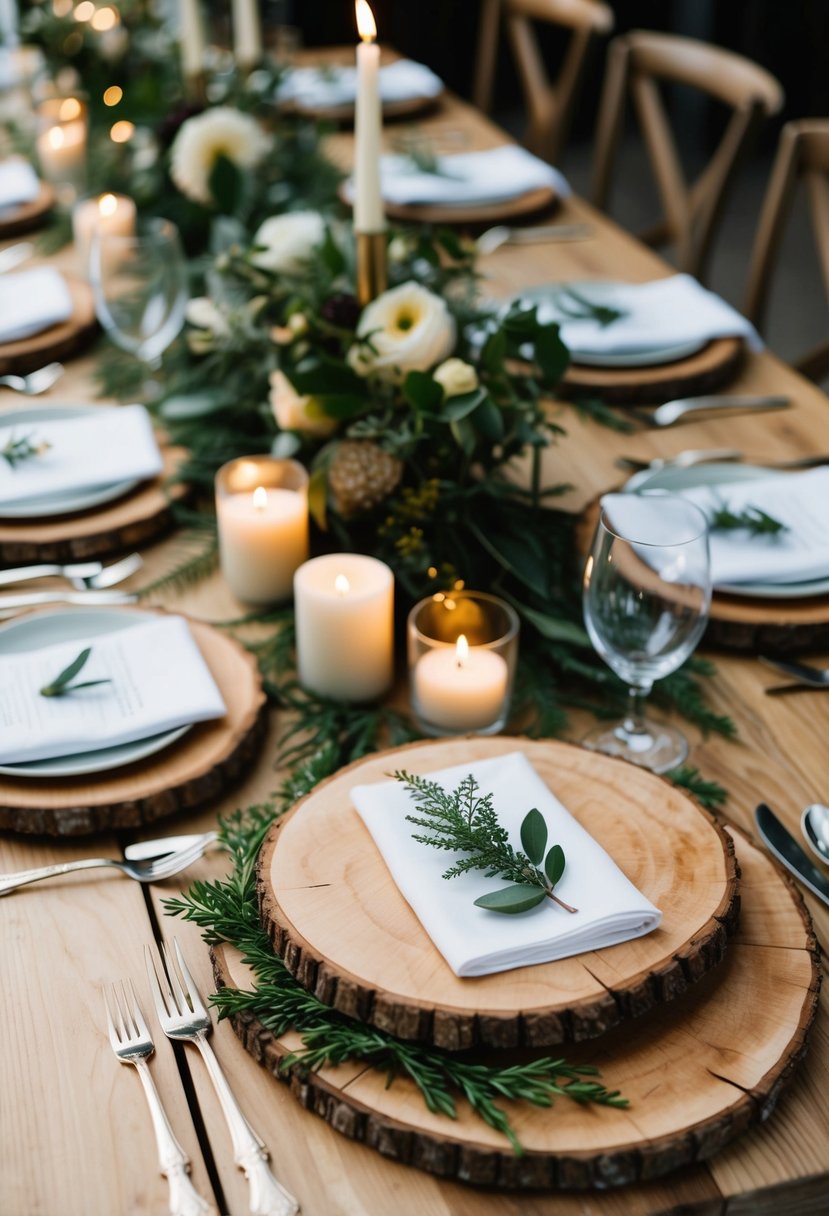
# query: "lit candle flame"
260,498
341,585
69,108
107,204
56,137
366,26
461,650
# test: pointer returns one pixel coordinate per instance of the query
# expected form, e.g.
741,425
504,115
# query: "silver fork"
151,870
671,411
36,382
183,1016
82,575
132,1044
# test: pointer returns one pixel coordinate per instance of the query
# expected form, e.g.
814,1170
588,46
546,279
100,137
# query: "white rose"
288,241
408,328
295,413
200,142
202,313
456,377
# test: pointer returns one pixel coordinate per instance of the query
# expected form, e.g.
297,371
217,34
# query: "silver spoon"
671,411
814,823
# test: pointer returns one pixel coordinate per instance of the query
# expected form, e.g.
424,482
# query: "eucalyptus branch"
15,451
63,682
753,519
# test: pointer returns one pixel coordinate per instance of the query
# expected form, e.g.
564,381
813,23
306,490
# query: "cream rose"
296,413
202,313
408,329
288,241
200,142
456,377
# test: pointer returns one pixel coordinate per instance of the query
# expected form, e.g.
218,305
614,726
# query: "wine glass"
139,282
647,594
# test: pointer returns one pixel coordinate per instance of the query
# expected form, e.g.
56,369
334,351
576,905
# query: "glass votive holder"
262,516
61,145
463,652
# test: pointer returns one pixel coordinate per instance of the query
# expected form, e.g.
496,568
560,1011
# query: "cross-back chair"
802,156
549,102
637,63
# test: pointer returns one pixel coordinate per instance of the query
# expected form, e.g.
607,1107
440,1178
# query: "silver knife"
787,851
811,676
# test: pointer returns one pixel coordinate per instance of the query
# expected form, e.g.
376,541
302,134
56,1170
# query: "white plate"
677,480
69,501
47,629
599,292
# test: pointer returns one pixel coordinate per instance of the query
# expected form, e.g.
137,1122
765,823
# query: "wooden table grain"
75,1139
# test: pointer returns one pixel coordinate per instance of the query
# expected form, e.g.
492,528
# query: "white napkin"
468,178
18,183
662,313
159,681
798,500
403,80
32,301
477,942
116,443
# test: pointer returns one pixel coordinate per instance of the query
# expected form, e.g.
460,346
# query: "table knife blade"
785,848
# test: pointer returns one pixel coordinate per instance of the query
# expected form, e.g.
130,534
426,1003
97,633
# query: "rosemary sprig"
16,451
62,684
571,303
464,821
226,910
755,520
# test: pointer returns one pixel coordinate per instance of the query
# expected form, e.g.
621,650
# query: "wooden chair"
803,154
637,62
549,104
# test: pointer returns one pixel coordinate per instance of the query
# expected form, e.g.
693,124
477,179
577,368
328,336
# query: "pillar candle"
61,143
247,33
262,516
109,214
191,37
344,604
461,687
368,199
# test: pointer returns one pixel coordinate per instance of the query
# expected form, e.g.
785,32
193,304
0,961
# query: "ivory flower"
296,413
407,329
456,377
288,241
202,313
200,142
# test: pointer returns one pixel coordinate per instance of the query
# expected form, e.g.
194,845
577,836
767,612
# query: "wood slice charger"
741,623
57,341
196,768
124,523
697,1072
709,369
336,917
25,216
470,215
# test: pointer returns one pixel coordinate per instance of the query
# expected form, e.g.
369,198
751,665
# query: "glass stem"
634,723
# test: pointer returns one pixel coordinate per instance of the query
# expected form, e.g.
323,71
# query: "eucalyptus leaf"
489,420
422,392
520,897
534,836
62,683
554,864
555,629
462,405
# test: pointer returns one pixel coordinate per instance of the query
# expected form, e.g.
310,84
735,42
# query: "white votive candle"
61,143
109,215
368,126
263,530
461,687
344,605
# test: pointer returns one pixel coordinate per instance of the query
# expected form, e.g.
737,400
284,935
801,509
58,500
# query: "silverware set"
35,382
683,408
806,678
183,1017
780,842
89,583
693,456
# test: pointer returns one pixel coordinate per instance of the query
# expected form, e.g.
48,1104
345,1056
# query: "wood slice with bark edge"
198,767
743,623
344,930
709,369
697,1072
58,341
113,527
26,216
534,203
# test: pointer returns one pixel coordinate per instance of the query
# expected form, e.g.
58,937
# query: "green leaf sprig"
571,303
62,684
16,451
754,519
464,821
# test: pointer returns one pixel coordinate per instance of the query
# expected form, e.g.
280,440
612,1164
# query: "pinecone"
361,475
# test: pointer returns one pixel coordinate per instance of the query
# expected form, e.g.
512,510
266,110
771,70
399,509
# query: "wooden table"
76,1140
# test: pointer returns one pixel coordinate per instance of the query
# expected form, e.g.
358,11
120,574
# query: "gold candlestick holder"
195,88
371,266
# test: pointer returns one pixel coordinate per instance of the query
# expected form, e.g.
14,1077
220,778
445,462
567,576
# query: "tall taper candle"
368,199
191,38
247,33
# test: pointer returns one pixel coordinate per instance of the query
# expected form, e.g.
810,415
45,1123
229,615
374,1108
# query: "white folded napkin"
31,301
159,681
403,80
662,313
477,942
116,443
798,500
468,178
18,183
